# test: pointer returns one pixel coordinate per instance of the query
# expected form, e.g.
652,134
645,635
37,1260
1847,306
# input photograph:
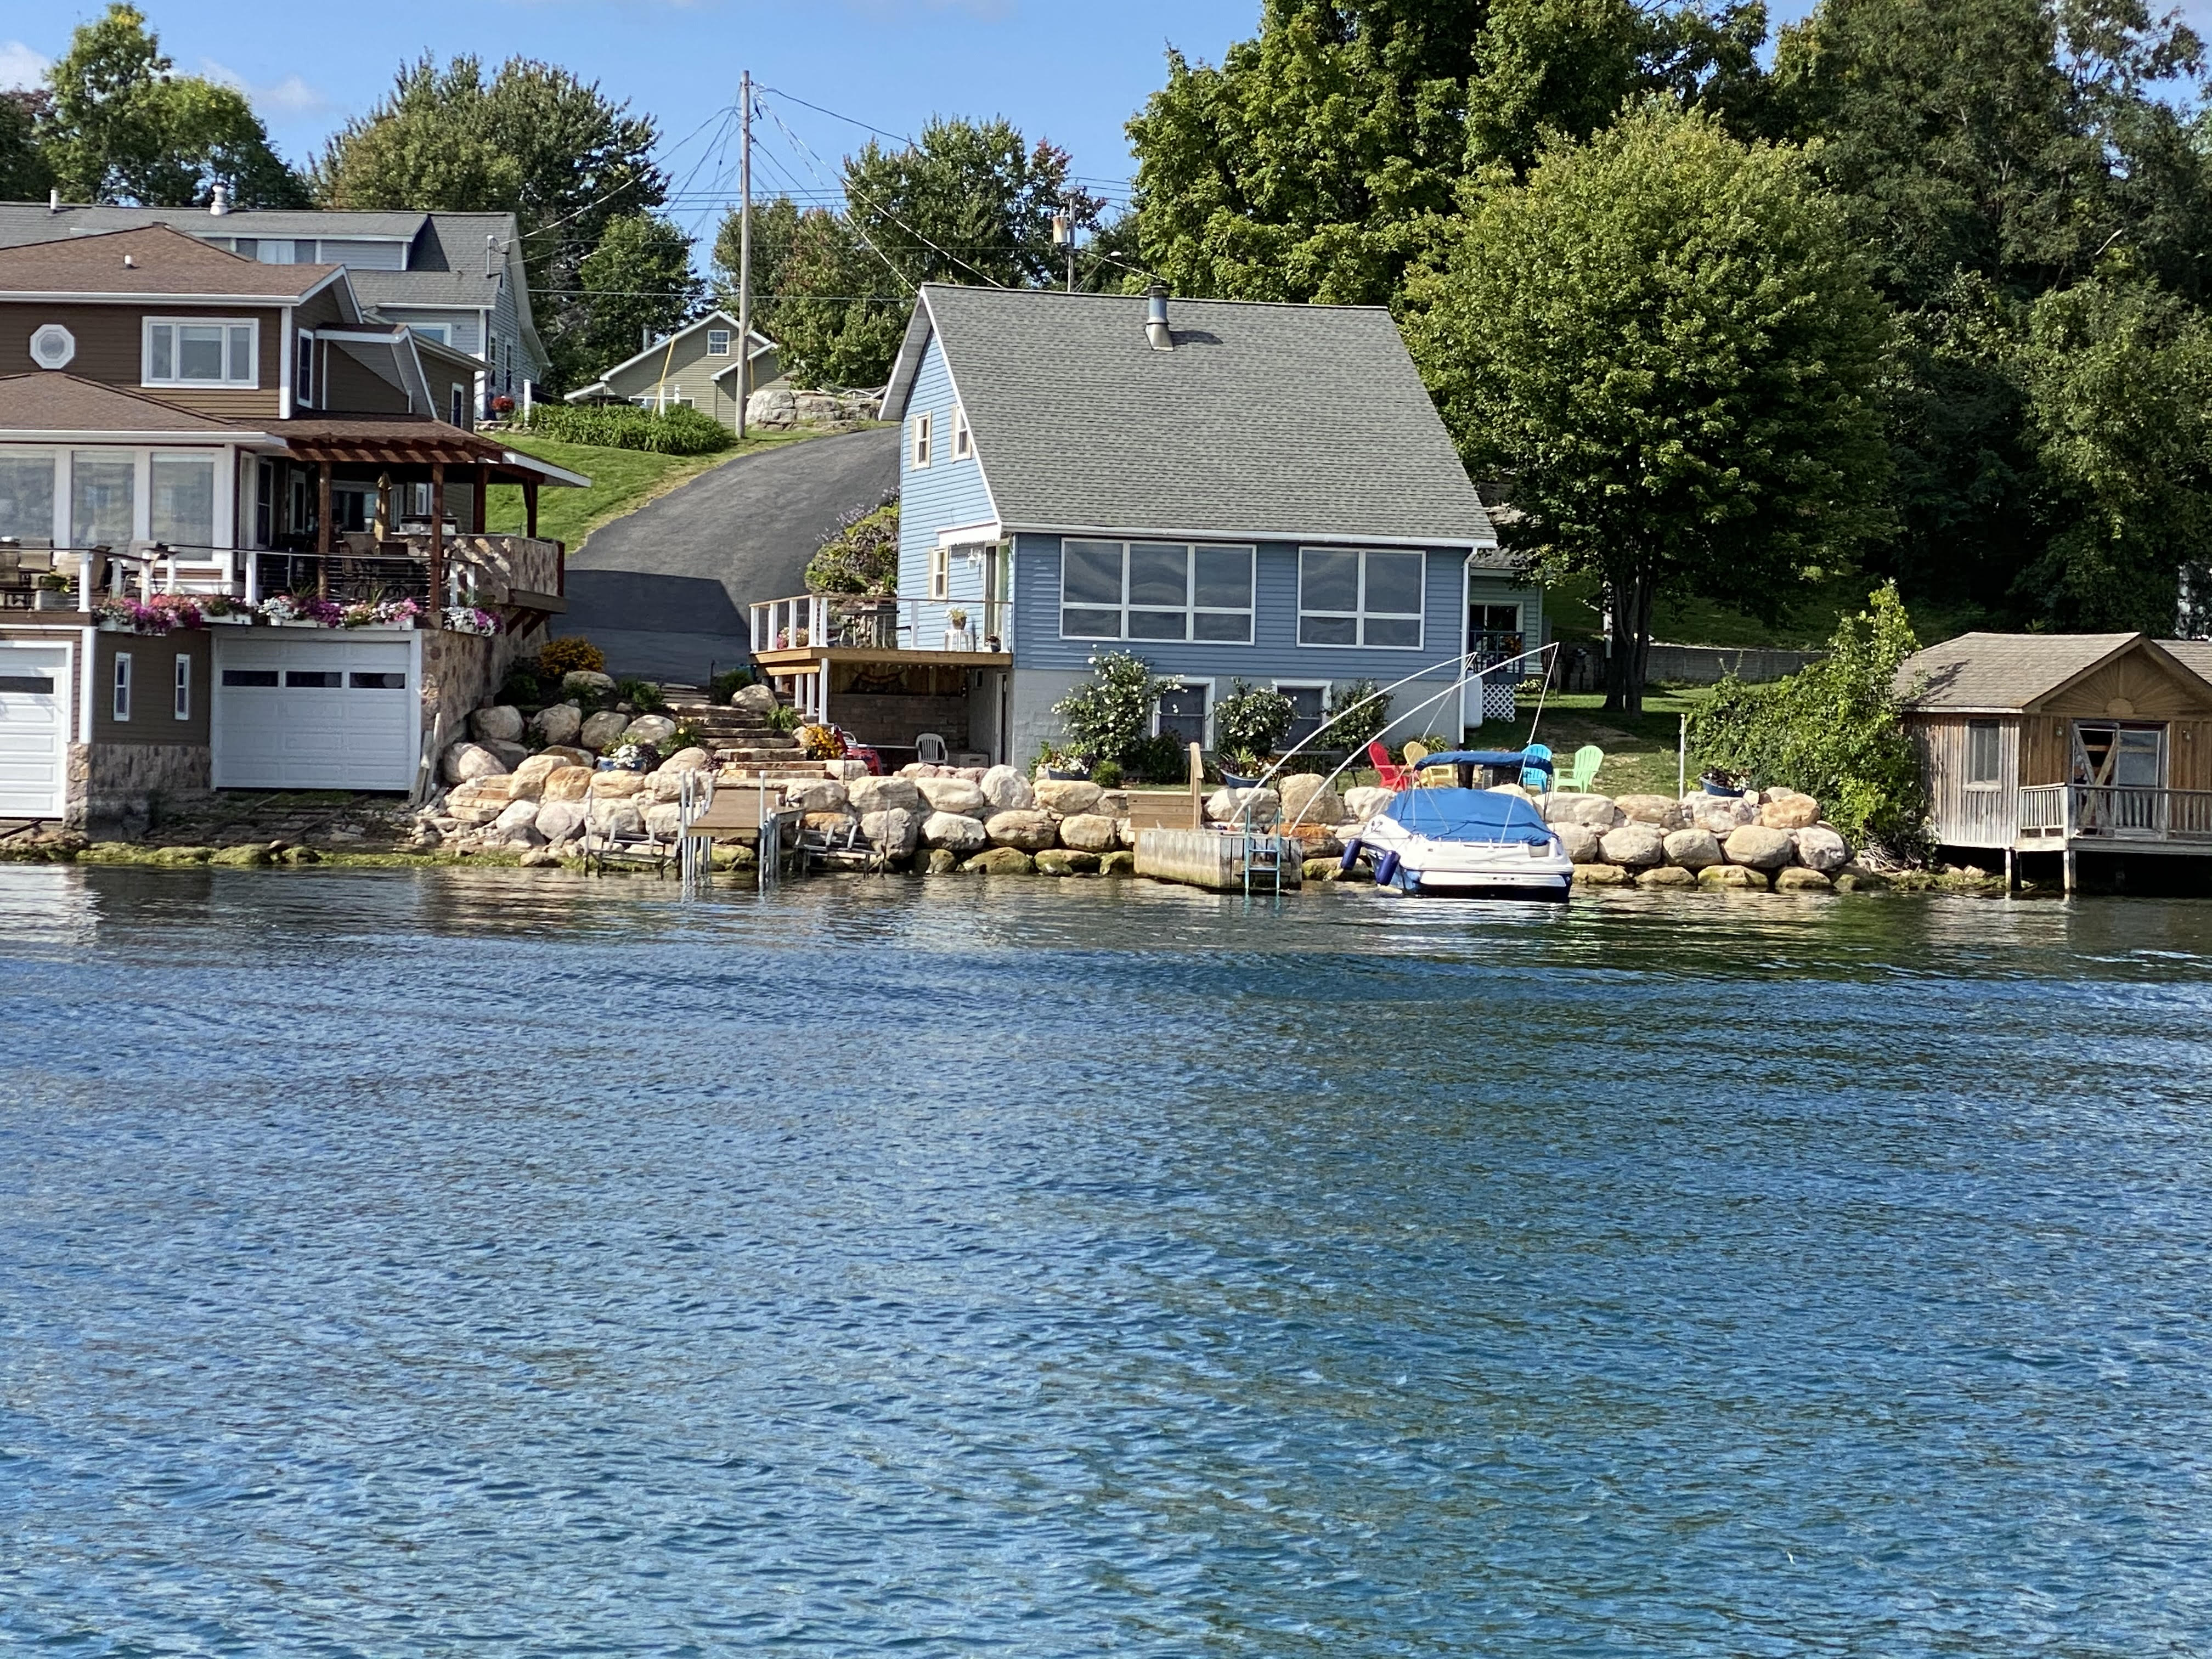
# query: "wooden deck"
796,659
2067,817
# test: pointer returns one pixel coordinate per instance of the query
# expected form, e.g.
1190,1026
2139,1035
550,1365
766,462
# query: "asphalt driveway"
664,591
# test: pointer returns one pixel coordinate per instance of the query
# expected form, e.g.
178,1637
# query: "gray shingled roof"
1306,423
1998,672
2195,655
422,288
32,221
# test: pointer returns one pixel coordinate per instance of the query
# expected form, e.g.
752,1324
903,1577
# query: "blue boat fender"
1352,850
1386,869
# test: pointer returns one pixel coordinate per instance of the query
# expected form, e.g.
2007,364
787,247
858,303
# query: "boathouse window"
1160,591
1349,599
1984,750
183,709
121,706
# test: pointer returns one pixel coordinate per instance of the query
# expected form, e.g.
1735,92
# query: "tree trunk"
1631,585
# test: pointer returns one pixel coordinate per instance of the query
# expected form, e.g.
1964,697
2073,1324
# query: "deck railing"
882,624
2070,811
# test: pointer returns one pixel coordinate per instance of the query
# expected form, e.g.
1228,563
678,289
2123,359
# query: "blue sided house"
1229,490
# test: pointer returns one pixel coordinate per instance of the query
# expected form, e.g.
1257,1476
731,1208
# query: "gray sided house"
1243,491
455,278
694,367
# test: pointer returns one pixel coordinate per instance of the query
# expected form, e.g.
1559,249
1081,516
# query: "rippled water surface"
443,1263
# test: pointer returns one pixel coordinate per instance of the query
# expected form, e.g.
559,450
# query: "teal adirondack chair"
1581,772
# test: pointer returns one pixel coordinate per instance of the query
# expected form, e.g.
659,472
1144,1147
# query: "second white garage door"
331,709
34,705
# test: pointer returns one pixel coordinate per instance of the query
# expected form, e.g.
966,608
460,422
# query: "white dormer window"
963,445
718,343
189,352
923,438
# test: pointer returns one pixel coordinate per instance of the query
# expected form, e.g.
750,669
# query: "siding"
110,347
349,385
464,328
939,496
1958,816
688,371
153,688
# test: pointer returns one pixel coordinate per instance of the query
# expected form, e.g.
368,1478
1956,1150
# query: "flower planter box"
45,598
240,620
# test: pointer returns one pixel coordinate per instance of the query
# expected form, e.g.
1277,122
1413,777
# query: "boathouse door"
2125,763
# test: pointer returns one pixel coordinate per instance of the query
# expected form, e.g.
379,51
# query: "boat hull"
1462,869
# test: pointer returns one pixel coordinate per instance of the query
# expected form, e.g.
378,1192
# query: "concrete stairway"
738,737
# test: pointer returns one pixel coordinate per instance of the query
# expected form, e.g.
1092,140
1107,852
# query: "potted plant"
467,619
955,630
220,609
122,615
53,593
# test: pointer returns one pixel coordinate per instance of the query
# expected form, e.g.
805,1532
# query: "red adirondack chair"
1388,773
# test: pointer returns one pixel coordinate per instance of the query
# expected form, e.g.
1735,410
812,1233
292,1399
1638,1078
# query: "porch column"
326,537
529,508
483,491
437,545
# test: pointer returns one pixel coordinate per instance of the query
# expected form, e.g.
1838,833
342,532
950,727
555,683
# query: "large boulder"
687,760
568,783
518,815
1308,798
1717,814
1786,809
1007,789
571,754
611,816
1025,831
892,831
961,834
616,785
1001,861
1720,876
1635,845
602,731
1361,804
1058,861
1797,880
479,801
1821,848
1089,832
501,724
1601,875
1596,810
1758,847
577,681
1693,848
1068,796
529,782
955,795
561,820
1665,875
827,796
511,754
1580,843
655,729
465,761
873,794
558,724
755,699
1664,811
663,821
1249,808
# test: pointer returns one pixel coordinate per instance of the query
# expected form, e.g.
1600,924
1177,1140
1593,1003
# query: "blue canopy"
1468,814
1490,757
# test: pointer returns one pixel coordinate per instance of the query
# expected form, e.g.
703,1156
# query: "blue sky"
1071,71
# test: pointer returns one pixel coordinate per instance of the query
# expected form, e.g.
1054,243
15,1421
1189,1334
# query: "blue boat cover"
1468,814
1490,757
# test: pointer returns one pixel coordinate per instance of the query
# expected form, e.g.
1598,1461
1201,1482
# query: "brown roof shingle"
2195,655
160,261
1999,672
47,402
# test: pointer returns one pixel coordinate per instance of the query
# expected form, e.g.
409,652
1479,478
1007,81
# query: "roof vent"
130,263
219,199
1156,318
54,199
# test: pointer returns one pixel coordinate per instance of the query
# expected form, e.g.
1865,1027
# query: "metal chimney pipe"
1156,319
219,199
54,199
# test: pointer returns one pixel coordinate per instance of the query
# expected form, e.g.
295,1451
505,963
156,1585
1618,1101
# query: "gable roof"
23,222
153,262
661,345
2009,673
1284,421
45,401
2195,655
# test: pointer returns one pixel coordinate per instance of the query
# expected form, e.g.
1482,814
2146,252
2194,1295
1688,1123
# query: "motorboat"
1462,841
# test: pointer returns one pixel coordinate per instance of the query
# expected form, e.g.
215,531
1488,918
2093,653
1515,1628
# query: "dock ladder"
1260,858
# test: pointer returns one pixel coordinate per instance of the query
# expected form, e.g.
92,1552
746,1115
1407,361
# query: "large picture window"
103,490
27,499
1162,591
181,497
211,354
1349,598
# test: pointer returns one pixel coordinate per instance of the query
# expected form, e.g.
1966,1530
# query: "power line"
835,116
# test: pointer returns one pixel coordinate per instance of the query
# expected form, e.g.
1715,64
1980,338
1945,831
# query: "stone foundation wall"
461,672
114,788
896,719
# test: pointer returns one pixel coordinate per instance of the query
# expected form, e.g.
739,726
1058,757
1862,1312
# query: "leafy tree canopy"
122,126
24,174
1666,342
637,282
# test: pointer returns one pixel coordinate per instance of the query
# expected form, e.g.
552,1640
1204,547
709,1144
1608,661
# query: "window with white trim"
1156,591
121,705
924,430
1985,755
1183,711
963,441
460,407
941,573
193,352
303,371
718,343
184,704
1309,707
180,500
1349,598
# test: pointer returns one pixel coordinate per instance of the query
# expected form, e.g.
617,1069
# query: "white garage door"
34,703
325,710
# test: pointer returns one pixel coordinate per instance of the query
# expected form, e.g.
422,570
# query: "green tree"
532,140
1666,342
24,174
122,126
637,281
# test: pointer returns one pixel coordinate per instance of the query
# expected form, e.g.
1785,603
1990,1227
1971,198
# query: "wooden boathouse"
2041,745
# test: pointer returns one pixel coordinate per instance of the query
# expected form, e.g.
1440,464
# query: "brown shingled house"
2037,744
177,419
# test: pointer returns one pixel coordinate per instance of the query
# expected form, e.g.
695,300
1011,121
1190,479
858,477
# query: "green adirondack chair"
1581,772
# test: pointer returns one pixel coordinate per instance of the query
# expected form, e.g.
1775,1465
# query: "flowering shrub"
138,618
571,653
821,742
181,609
467,619
383,614
221,604
281,608
635,755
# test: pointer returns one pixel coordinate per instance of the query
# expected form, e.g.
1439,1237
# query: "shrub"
1832,731
860,555
1109,717
1161,759
1249,724
521,687
821,742
1347,725
1106,775
723,688
686,735
623,426
783,717
571,654
640,695
1434,742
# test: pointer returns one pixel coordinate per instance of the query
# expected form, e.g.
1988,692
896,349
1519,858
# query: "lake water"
491,1264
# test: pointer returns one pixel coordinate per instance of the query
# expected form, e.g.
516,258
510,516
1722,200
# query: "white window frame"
1191,682
921,446
1996,729
963,441
227,382
1322,686
1360,616
62,459
1191,609
460,409
722,350
304,388
182,705
119,707
941,573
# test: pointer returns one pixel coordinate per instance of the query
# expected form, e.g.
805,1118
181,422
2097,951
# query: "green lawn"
1807,625
623,480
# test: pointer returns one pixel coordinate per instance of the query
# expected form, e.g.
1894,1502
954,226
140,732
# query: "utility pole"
745,248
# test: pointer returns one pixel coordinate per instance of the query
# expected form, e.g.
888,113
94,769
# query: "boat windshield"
1468,814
